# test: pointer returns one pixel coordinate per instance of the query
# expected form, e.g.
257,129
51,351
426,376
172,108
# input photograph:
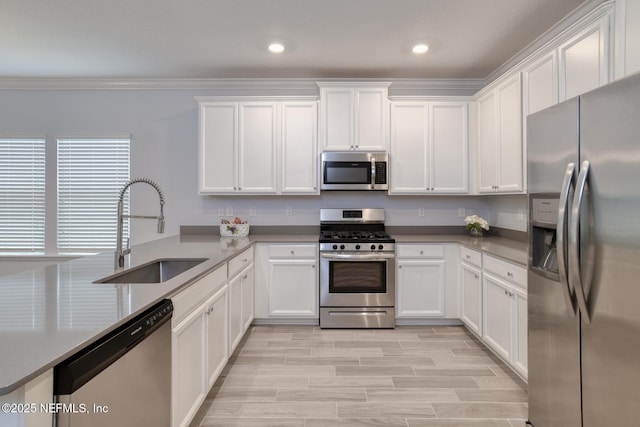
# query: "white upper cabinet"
584,60
627,36
257,146
429,147
540,84
299,147
499,122
354,116
218,142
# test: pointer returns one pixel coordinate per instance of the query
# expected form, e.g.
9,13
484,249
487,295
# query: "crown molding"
587,9
247,87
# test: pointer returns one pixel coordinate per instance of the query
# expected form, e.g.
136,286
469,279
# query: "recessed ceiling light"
419,49
276,48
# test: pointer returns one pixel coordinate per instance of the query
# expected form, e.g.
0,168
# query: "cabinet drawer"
419,251
239,262
507,270
470,256
187,300
293,251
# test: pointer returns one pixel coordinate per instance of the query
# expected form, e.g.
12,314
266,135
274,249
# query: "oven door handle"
359,256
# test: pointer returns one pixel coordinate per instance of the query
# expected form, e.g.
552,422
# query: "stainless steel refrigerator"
584,259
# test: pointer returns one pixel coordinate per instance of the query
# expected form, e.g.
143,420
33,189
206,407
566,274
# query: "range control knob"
341,246
357,246
373,247
380,247
335,247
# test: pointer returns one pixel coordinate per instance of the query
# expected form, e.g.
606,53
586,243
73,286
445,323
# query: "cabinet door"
188,369
409,121
540,85
293,288
510,159
497,315
448,148
584,60
217,142
247,297
520,345
337,117
372,119
487,143
420,288
257,147
216,330
471,307
235,312
299,148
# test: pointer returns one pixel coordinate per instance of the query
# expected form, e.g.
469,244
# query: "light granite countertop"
49,314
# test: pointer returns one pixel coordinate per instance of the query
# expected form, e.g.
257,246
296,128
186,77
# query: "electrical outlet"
521,214
421,212
289,211
252,211
228,211
461,213
220,211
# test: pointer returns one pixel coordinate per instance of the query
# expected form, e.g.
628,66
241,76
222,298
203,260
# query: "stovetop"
349,236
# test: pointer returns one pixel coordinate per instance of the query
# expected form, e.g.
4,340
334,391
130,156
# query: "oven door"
357,280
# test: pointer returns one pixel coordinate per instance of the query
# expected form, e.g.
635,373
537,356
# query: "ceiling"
228,38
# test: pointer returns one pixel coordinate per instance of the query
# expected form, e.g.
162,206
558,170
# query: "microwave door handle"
373,173
574,243
561,248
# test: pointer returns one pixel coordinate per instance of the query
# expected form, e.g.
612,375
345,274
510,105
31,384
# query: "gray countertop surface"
49,314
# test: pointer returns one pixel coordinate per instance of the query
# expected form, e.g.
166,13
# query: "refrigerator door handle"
574,231
561,249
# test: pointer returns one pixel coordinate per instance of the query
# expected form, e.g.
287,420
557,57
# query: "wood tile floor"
304,376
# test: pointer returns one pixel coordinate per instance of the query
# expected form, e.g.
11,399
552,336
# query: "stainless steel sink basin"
157,271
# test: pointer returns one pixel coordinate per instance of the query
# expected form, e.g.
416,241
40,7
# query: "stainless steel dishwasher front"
124,379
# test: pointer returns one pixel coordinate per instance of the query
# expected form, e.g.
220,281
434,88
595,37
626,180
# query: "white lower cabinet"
188,368
420,288
471,301
216,335
504,311
209,319
286,281
426,285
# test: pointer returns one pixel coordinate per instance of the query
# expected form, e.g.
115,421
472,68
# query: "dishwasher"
123,379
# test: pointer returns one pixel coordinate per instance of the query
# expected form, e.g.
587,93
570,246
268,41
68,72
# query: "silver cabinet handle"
574,231
373,172
561,234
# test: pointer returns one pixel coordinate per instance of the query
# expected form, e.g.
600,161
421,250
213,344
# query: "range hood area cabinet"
257,146
354,116
429,146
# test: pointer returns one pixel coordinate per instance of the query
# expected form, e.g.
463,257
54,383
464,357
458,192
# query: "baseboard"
428,322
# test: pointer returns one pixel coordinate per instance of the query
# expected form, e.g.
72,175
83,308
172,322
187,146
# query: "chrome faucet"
120,253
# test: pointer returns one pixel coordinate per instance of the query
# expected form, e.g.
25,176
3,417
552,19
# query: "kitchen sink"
157,271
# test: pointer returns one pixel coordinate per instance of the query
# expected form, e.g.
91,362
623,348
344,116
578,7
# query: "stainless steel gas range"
357,270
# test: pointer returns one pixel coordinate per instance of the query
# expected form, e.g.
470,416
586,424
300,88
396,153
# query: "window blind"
22,195
91,173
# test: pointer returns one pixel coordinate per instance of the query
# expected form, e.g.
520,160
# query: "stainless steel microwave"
355,170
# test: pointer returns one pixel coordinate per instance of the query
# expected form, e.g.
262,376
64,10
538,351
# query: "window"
91,173
22,195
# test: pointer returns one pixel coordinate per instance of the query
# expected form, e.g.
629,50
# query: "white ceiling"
228,38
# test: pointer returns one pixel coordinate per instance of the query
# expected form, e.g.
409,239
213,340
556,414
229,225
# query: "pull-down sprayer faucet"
120,253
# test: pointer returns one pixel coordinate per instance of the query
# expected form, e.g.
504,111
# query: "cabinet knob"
468,257
509,274
421,252
475,276
506,292
313,266
244,260
239,188
293,252
245,276
399,266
